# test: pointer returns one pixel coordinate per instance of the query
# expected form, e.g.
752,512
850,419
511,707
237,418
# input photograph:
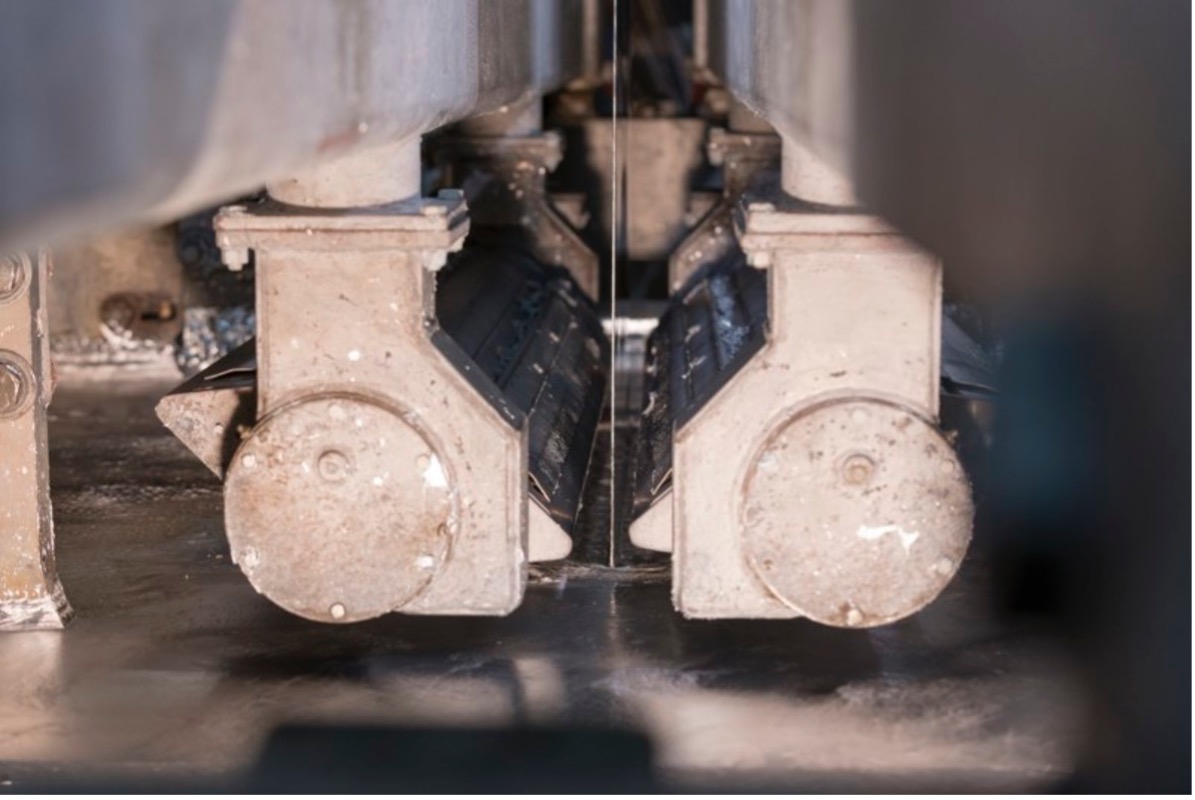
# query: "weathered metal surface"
504,181
382,174
806,175
346,306
532,333
967,377
211,410
741,155
31,598
852,321
855,513
544,352
132,108
536,340
339,509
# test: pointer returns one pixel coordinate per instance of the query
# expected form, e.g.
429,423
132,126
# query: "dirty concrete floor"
174,669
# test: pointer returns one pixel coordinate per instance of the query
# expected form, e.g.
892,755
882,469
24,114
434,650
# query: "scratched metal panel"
531,331
716,323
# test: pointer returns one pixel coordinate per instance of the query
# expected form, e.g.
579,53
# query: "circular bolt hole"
16,385
858,469
333,466
14,276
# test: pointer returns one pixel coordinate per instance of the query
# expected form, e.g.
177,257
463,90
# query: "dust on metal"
31,598
339,510
856,513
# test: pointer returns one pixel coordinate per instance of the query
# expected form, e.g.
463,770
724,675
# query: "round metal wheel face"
339,510
856,513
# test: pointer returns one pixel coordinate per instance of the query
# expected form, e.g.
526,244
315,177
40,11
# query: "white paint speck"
434,476
354,355
872,533
249,558
651,404
425,562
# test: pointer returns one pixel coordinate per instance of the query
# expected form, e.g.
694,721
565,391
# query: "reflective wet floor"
174,671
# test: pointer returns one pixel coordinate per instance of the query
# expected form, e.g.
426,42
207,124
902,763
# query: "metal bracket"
741,156
31,598
378,477
211,411
833,495
505,183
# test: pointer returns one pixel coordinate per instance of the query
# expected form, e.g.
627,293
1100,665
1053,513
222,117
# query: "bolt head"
14,276
333,466
858,469
16,385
